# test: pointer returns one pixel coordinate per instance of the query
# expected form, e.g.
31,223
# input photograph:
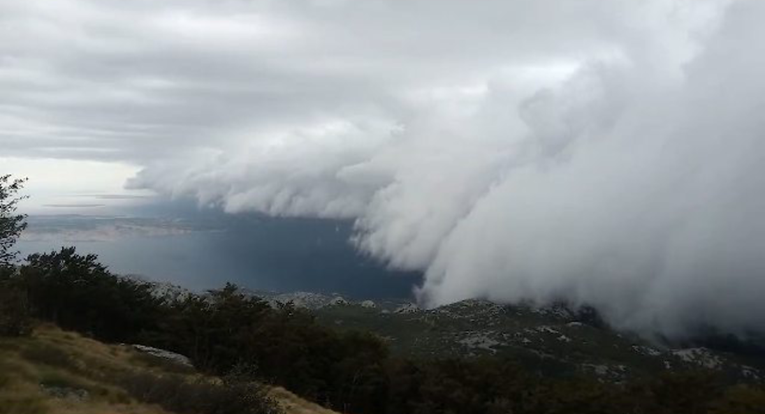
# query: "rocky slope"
551,340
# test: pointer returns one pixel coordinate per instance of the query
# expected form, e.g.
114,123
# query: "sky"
605,153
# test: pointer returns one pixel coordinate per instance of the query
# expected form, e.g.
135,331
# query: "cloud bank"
607,153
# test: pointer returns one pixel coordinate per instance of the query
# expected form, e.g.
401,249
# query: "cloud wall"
607,153
633,183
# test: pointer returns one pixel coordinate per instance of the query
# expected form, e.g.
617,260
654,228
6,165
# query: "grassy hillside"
60,372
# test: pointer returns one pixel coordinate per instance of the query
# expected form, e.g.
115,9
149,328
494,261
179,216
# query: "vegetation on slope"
230,334
349,371
553,340
53,371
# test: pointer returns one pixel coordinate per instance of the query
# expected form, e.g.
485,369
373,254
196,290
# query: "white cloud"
602,152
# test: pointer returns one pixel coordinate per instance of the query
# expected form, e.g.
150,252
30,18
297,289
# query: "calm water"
274,254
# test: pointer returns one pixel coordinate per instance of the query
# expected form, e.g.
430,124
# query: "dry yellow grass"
292,404
54,358
57,358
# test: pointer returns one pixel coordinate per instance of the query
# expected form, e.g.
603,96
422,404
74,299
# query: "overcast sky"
606,152
141,82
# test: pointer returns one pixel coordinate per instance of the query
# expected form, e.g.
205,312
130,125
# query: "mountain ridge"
550,339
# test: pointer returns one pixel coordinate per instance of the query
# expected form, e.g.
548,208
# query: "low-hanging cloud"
607,153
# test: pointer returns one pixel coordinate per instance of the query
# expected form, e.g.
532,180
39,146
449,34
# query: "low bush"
14,314
202,396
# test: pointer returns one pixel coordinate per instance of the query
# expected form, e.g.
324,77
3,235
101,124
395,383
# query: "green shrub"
14,315
174,393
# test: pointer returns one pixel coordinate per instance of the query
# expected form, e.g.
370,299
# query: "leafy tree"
213,330
77,292
14,314
15,319
11,223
